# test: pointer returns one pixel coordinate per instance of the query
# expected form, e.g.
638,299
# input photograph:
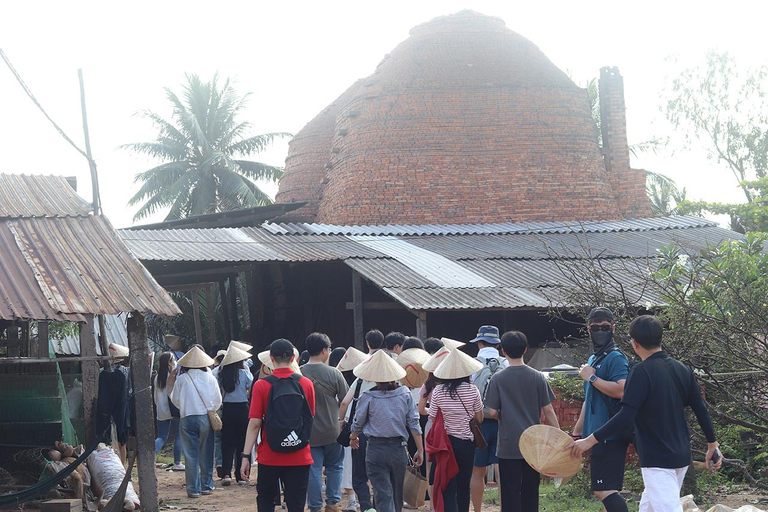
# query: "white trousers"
662,489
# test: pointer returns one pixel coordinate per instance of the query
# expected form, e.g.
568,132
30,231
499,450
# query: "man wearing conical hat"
518,396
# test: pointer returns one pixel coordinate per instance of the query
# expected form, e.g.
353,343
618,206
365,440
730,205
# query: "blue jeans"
332,457
163,429
197,438
385,460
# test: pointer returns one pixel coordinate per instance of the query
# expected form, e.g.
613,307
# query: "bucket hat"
196,358
435,359
542,447
487,334
379,367
457,365
234,355
352,357
411,361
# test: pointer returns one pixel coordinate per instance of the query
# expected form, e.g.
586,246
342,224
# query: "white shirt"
186,398
489,352
162,406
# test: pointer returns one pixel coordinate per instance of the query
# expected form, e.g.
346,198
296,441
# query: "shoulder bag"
474,426
213,416
346,430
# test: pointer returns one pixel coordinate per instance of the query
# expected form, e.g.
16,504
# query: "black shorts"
607,465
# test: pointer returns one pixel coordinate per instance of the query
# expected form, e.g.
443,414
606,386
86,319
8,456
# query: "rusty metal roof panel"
313,248
24,195
78,265
220,244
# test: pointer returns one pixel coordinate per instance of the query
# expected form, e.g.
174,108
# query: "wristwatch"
245,456
352,437
592,378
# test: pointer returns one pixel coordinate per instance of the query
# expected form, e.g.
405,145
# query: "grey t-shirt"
330,388
518,393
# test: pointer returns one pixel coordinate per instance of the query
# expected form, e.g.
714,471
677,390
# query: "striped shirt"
456,412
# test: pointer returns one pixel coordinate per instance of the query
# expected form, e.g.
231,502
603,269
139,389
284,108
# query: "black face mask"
601,340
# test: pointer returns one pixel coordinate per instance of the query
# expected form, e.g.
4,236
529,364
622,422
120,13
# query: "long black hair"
229,376
453,386
162,369
432,381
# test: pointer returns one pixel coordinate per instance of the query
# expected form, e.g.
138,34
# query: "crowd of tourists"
348,422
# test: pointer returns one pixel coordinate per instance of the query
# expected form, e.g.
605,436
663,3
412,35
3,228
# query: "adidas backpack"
288,420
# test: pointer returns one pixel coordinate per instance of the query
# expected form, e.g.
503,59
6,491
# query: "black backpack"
288,420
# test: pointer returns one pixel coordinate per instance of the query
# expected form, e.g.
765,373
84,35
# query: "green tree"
202,149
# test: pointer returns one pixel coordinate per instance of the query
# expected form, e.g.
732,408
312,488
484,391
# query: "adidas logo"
291,439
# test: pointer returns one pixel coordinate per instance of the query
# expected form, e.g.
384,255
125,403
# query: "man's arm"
251,435
493,413
699,408
550,416
418,457
607,387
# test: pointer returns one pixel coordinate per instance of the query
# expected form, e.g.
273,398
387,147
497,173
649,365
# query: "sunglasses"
603,328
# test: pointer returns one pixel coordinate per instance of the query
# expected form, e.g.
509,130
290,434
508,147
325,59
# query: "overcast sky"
296,57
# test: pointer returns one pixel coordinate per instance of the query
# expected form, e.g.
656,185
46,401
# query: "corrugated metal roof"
66,266
221,244
24,195
491,229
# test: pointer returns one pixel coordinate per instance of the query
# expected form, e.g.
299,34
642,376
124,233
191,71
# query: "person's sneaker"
193,495
226,481
206,492
332,507
242,482
179,467
370,510
352,505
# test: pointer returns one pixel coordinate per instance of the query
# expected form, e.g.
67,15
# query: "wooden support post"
255,303
233,307
196,317
421,325
42,339
357,301
225,311
103,342
145,422
90,371
211,314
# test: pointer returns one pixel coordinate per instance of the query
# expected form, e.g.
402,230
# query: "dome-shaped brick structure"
464,122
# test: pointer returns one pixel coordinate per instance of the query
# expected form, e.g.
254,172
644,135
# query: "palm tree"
202,149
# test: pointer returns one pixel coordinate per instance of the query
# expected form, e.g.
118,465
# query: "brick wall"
464,122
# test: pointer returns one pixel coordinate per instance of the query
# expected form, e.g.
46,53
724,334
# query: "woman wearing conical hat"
459,402
195,393
385,414
234,383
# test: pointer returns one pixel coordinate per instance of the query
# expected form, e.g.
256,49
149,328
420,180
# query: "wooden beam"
211,315
43,350
377,305
357,302
90,370
233,307
103,335
46,360
421,325
196,317
225,311
145,421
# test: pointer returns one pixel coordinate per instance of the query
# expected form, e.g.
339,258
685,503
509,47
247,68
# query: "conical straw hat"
195,358
266,361
118,351
234,355
241,345
411,360
435,359
457,365
451,344
380,367
173,342
352,357
542,448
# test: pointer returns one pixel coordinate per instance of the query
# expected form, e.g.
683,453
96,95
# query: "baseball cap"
599,313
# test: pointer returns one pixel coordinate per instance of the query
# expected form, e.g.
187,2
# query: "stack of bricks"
463,122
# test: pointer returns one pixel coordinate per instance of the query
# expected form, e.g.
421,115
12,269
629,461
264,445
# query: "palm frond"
255,144
258,171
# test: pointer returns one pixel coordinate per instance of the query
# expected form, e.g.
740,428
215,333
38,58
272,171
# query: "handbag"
213,416
477,432
346,430
414,487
